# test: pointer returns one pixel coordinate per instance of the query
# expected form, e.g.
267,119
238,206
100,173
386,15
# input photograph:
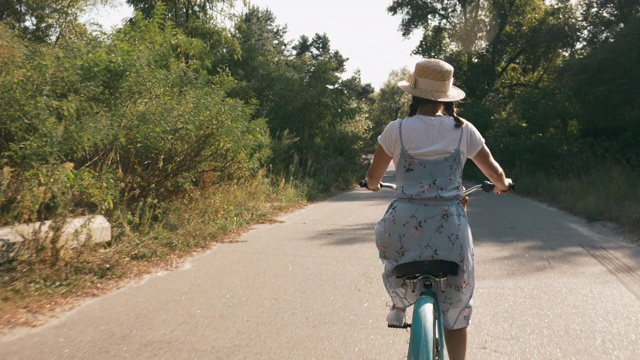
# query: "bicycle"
426,340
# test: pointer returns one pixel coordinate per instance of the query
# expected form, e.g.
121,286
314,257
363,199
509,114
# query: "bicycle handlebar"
363,184
486,186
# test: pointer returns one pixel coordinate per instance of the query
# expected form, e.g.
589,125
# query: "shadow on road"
351,235
531,234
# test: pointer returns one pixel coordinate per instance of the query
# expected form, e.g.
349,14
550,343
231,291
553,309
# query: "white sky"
361,30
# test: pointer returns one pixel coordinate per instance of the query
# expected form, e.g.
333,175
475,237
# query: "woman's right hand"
497,189
370,185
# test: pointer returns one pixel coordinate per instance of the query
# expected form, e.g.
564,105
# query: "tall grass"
164,235
608,192
605,193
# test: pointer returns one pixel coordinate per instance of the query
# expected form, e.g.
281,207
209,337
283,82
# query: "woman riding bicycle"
426,221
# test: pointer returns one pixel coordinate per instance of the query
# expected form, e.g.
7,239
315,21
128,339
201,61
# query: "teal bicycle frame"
426,324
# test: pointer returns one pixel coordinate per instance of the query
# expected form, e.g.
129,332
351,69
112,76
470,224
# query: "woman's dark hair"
449,108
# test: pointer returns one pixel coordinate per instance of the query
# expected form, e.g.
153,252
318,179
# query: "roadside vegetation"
197,119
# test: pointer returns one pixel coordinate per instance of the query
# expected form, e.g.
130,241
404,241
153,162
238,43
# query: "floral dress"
426,222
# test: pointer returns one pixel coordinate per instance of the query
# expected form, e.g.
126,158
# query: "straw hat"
432,79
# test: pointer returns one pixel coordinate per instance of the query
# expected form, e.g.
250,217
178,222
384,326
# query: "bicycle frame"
426,322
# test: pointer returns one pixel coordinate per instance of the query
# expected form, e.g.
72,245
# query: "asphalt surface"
549,286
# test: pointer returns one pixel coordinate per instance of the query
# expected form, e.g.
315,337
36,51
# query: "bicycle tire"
423,343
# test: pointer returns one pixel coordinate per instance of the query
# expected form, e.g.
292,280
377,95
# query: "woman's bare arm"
491,169
377,169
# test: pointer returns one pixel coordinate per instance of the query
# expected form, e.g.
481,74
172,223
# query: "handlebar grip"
488,186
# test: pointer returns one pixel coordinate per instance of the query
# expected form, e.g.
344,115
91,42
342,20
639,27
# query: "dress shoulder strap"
400,130
460,140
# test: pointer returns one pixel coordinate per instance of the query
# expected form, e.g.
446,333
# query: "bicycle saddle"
435,268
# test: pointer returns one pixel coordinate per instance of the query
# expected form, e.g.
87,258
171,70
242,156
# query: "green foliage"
390,103
585,112
602,19
317,119
181,12
497,47
169,123
205,20
40,100
54,191
261,68
604,86
125,124
45,21
131,108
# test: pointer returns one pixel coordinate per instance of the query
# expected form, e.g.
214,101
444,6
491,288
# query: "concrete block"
74,232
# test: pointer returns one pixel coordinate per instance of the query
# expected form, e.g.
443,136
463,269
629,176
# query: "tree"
183,12
497,47
604,86
317,118
262,59
206,20
170,122
390,103
602,19
44,21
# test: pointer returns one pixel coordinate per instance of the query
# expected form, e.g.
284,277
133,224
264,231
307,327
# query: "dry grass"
34,291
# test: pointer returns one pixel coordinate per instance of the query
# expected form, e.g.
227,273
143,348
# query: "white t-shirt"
430,138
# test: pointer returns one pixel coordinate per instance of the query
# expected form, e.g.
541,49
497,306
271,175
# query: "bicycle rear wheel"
423,343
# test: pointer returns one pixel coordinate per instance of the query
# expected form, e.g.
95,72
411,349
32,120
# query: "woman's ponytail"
450,109
413,108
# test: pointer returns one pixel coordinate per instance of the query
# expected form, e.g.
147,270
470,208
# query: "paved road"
550,286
